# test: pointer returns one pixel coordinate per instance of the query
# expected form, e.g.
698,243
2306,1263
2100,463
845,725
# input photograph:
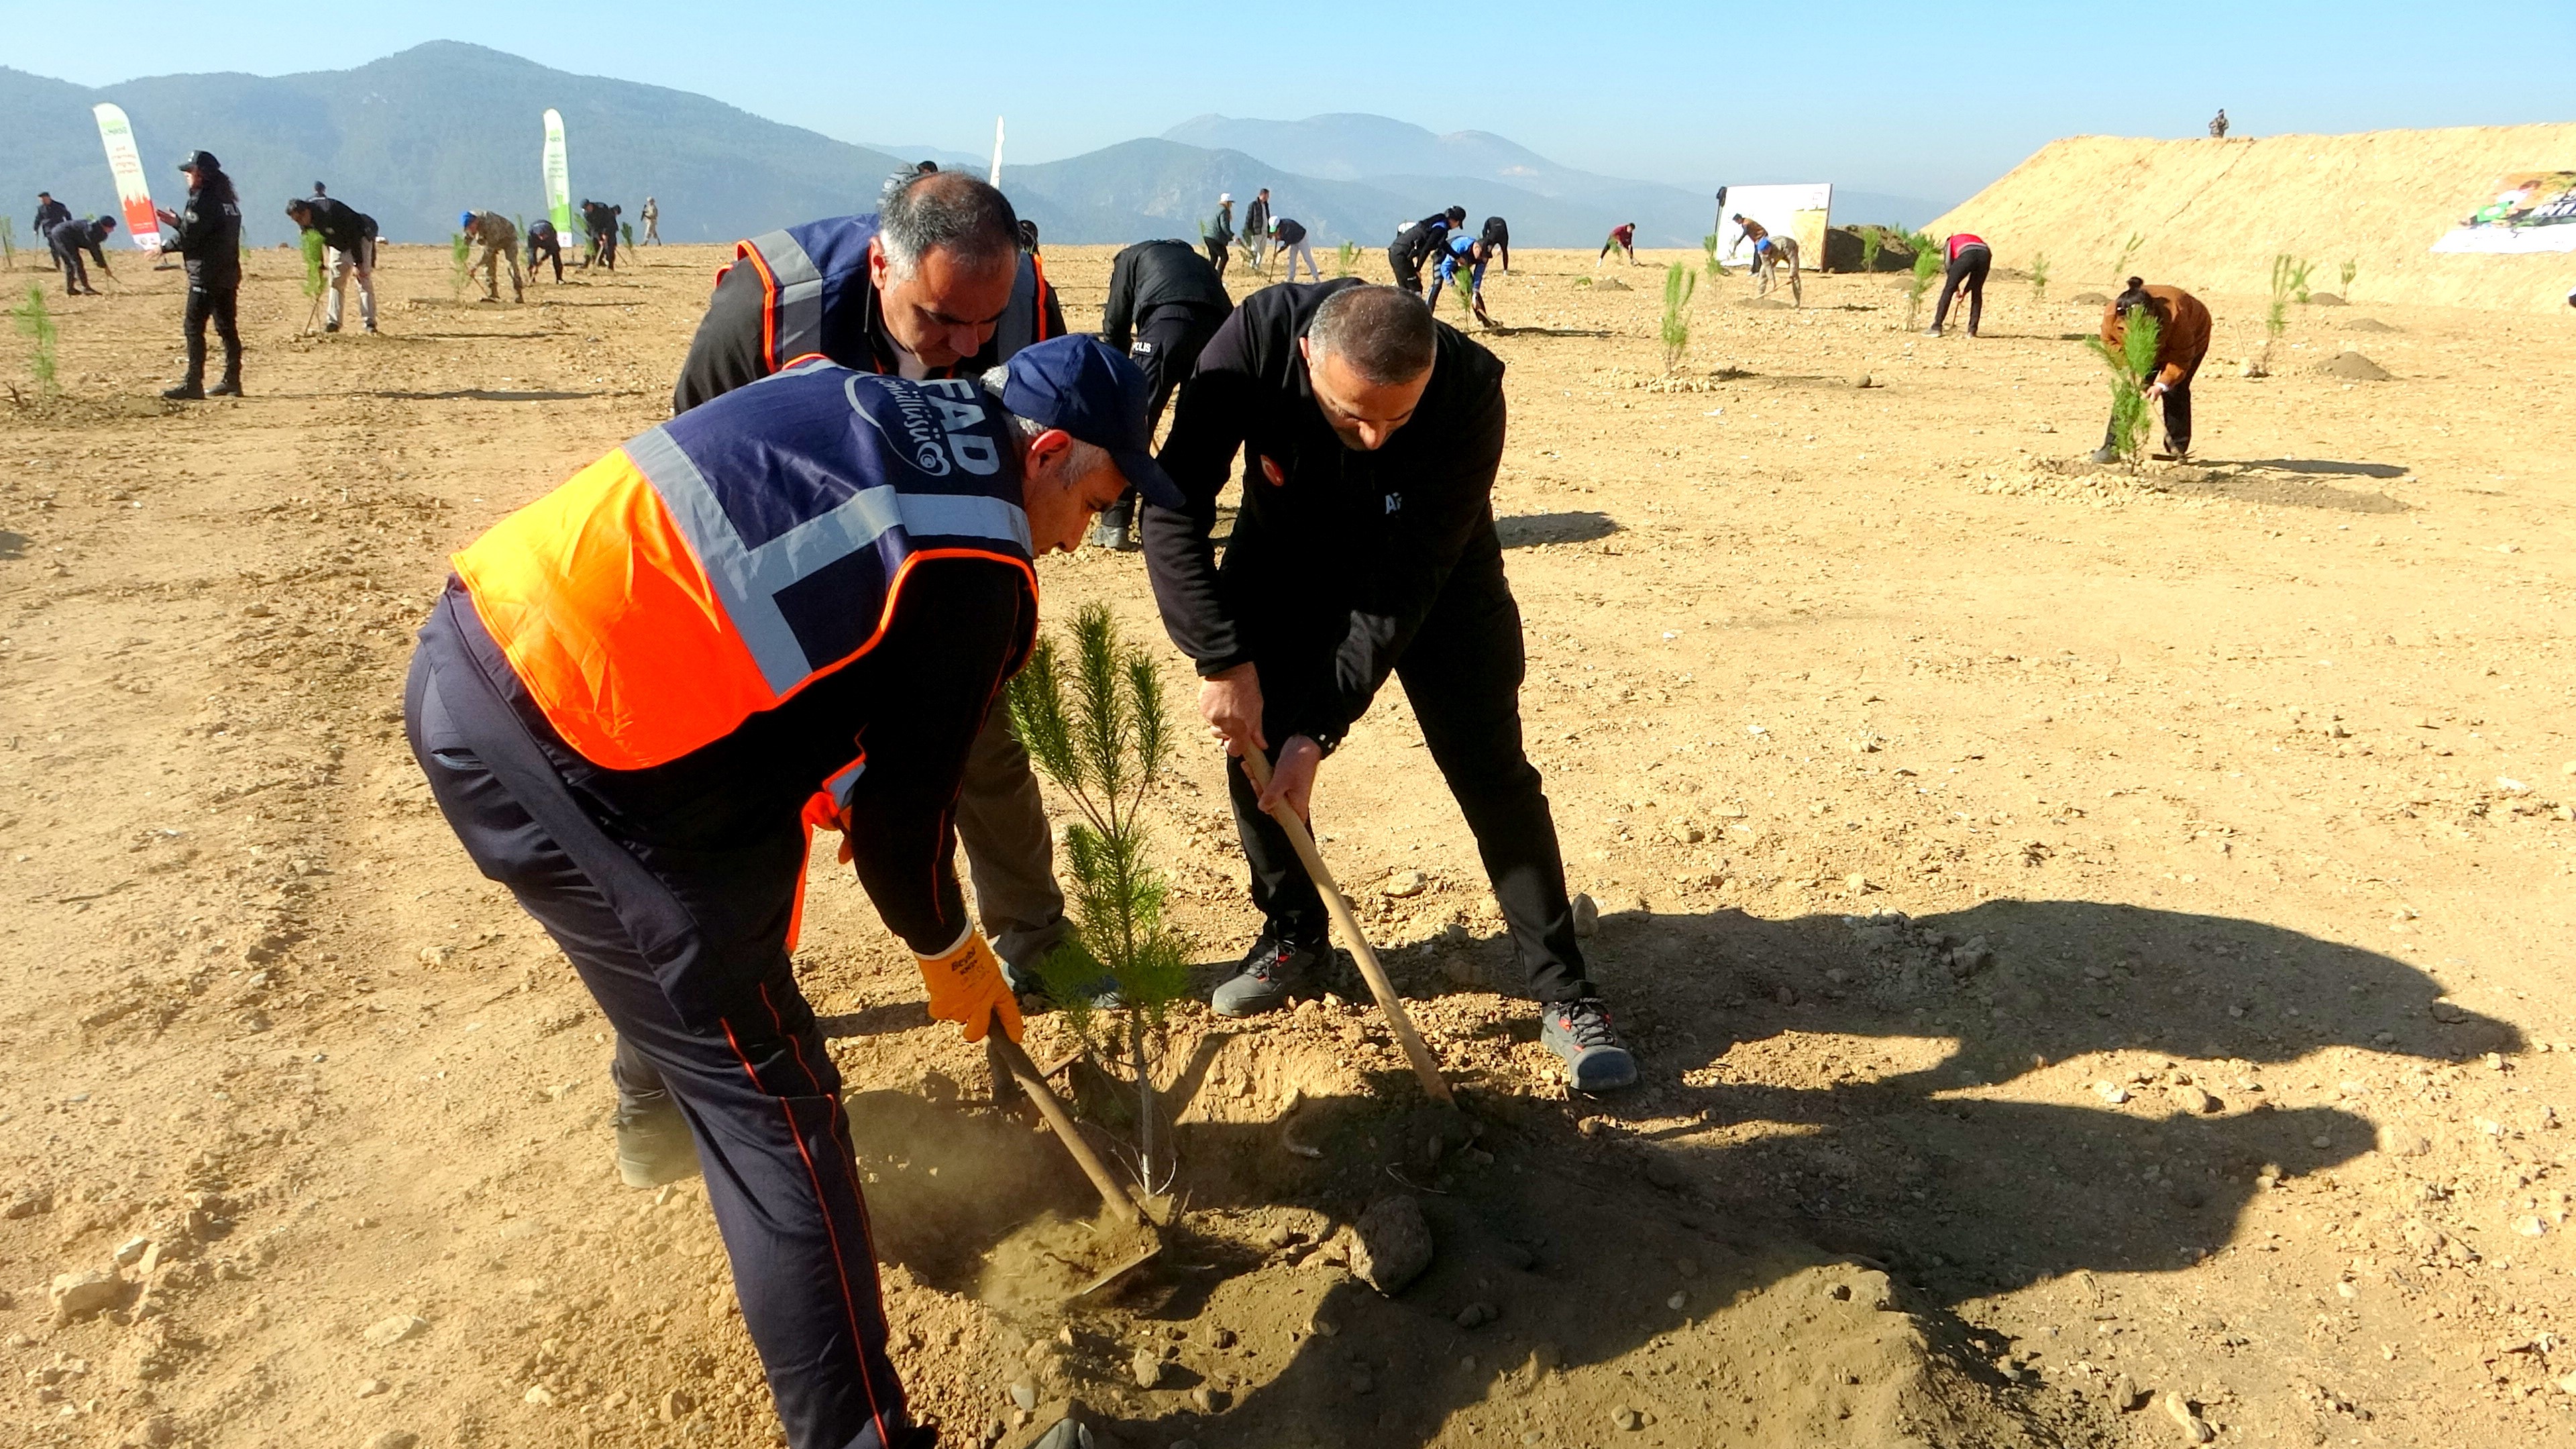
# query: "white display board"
1802,211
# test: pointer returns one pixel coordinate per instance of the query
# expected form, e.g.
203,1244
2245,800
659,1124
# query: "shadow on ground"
1835,1081
1531,529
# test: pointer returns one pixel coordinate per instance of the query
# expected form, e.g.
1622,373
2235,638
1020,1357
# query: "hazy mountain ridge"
416,137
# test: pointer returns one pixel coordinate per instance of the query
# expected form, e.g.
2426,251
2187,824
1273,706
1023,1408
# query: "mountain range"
443,127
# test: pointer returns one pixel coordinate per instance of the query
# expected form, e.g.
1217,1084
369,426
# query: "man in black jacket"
599,219
49,214
1165,302
1497,236
349,245
69,239
1371,433
1417,242
208,234
543,243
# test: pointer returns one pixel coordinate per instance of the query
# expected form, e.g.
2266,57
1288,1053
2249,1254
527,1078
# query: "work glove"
966,987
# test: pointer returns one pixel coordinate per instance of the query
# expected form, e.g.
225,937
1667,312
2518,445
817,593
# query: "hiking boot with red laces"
1270,969
1580,1031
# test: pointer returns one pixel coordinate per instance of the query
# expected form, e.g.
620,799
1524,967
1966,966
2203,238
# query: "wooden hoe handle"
1257,766
1113,1193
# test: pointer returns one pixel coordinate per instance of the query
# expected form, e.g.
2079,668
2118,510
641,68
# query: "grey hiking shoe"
1580,1031
1269,970
653,1143
1029,981
2106,455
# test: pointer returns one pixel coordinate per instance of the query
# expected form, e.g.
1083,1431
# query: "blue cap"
1077,383
464,219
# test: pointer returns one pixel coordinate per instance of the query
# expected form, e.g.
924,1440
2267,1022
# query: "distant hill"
2213,214
417,137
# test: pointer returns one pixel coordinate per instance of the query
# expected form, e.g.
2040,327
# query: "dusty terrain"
2096,942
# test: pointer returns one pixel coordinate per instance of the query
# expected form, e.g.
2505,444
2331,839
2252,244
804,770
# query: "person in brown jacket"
2182,340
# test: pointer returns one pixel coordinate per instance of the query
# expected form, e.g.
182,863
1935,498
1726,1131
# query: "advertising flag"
558,175
126,165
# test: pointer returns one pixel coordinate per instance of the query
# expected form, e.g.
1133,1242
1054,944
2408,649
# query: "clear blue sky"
1931,102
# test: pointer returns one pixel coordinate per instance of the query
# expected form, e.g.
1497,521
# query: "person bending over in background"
208,234
1970,260
1417,242
1165,302
1461,251
2182,340
1288,234
349,245
544,241
69,239
1623,240
1497,237
1371,433
599,219
496,243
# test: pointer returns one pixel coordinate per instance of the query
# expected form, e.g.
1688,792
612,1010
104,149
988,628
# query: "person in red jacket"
1623,240
1970,260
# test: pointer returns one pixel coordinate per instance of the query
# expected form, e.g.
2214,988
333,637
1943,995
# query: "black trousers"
1462,674
1407,269
75,272
215,305
2177,420
1968,268
1218,249
552,249
1168,343
760,1094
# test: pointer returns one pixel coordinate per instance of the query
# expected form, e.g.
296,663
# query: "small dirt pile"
2366,324
2351,366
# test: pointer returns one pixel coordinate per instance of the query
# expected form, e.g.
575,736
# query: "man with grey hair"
932,286
1365,547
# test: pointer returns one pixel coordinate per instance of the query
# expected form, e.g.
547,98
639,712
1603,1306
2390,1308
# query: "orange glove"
966,987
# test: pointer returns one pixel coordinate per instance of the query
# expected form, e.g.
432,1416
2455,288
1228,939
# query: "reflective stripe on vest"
719,563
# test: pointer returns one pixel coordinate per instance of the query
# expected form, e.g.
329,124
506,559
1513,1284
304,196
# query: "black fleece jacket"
1367,538
1156,274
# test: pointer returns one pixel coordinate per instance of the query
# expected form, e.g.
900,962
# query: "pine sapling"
2276,317
1679,282
1927,265
1094,721
2351,268
1872,242
2128,252
1708,244
458,250
36,324
312,243
626,235
2130,365
8,243
2039,279
2299,270
1349,258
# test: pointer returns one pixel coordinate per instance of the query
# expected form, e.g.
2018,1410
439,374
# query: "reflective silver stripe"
797,322
749,580
840,785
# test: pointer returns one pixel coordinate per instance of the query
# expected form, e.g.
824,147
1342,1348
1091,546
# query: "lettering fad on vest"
717,564
807,273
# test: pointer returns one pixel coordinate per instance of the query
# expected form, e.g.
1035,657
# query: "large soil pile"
2215,213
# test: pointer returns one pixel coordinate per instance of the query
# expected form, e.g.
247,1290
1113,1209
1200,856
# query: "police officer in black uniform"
1365,547
208,234
1165,302
544,241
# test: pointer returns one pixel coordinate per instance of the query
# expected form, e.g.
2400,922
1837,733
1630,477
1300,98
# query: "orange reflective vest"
717,564
811,273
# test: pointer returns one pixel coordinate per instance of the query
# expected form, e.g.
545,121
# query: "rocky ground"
2090,935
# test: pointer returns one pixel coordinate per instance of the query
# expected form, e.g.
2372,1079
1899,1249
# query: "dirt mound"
1766,303
2353,367
2215,213
2326,299
2365,324
1604,284
2091,299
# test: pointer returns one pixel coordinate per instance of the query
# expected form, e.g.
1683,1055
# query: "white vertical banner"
126,165
996,177
558,168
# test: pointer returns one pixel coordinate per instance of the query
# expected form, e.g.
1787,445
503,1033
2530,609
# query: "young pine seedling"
1679,282
8,243
1094,722
2131,364
1872,242
2350,269
2039,278
1349,258
36,324
2299,270
1927,265
2128,252
1708,244
458,250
